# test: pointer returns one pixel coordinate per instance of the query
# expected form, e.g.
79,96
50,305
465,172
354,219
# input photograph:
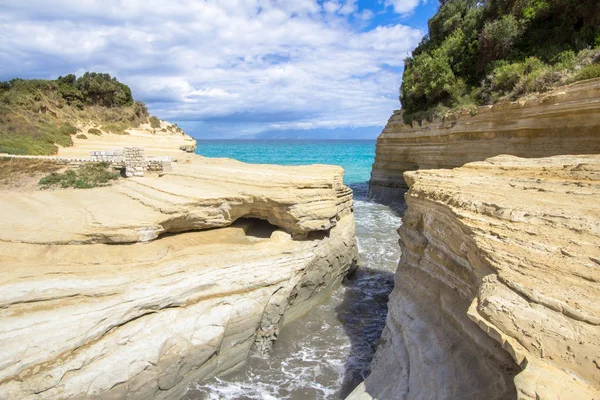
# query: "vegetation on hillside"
37,115
482,51
86,177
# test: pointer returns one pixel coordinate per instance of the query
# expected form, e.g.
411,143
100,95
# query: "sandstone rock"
81,317
497,292
208,193
564,121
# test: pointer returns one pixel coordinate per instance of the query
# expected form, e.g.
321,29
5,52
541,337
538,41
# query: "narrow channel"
325,354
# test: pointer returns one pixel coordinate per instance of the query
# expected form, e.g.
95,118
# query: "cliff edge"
137,289
564,121
496,295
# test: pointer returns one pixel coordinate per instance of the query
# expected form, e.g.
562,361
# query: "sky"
229,68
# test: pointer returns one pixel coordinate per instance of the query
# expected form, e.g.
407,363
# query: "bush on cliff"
154,122
482,51
36,115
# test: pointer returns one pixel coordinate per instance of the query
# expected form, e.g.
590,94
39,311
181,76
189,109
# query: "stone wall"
159,164
134,160
112,156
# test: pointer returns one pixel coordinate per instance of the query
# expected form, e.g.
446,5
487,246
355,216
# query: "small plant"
154,122
81,136
117,128
94,131
86,177
68,129
588,72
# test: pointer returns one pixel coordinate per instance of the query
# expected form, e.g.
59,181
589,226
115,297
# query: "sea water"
326,353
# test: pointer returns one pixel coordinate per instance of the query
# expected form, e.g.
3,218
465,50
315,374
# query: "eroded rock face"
497,293
564,121
203,194
89,311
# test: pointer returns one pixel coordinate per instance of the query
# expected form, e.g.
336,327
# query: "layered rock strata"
497,293
137,289
564,121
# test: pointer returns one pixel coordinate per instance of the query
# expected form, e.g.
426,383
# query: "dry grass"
22,173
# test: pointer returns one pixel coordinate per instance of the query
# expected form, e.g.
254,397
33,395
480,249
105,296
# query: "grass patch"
94,131
12,169
86,177
81,136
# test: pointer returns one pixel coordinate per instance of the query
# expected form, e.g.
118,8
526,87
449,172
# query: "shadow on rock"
393,198
363,313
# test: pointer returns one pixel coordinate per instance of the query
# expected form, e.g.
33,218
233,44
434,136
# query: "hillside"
482,52
37,116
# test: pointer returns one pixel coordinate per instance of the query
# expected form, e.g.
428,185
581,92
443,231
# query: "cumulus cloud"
404,6
207,60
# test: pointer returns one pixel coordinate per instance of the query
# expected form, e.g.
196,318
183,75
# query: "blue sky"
229,68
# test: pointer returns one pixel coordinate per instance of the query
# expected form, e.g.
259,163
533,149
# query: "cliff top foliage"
480,52
36,114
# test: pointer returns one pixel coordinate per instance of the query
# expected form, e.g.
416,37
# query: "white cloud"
201,60
404,6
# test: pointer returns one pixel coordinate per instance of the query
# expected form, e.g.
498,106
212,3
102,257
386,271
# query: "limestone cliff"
137,289
497,293
564,121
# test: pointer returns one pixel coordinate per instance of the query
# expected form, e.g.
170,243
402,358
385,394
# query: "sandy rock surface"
497,293
201,194
154,141
137,289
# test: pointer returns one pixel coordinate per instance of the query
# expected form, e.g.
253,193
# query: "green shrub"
566,60
506,76
588,72
154,122
118,128
68,129
498,37
88,176
94,131
103,90
479,47
81,136
140,109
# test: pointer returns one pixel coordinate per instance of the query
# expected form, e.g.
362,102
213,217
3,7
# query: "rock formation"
167,140
137,289
497,294
564,121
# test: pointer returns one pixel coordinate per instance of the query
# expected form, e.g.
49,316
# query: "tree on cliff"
101,89
481,51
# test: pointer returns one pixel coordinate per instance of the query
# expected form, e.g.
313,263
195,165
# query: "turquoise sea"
326,353
355,156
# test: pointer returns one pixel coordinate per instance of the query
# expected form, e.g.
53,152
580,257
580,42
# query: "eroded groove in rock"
496,293
564,121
